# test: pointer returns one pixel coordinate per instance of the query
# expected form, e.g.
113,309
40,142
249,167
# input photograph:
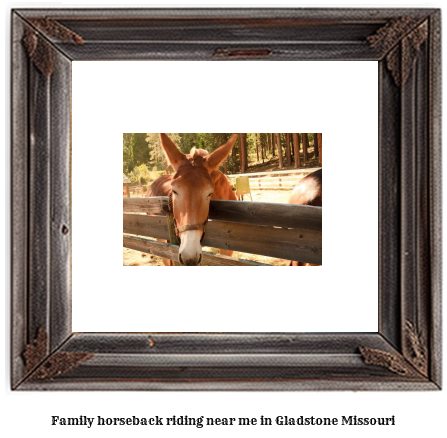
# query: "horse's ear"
215,158
173,155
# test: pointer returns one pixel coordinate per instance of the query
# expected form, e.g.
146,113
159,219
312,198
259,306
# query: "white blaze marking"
190,248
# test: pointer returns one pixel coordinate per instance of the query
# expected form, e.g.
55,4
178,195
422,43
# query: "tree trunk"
261,138
316,151
292,151
243,152
244,137
289,157
273,144
296,148
234,153
320,148
305,146
278,138
257,146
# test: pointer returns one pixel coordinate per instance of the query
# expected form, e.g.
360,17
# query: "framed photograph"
195,183
83,321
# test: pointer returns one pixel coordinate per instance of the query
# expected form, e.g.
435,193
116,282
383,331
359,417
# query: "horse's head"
192,189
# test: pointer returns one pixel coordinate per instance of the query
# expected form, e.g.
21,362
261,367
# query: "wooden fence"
274,183
291,232
276,180
302,171
136,191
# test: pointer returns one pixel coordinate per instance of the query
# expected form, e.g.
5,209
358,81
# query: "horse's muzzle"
190,262
190,250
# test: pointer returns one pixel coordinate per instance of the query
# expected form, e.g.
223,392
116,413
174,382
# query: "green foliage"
143,176
232,165
209,142
139,152
144,160
139,174
127,162
157,159
153,175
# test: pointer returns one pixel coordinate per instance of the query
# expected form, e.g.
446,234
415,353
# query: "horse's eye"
175,193
209,196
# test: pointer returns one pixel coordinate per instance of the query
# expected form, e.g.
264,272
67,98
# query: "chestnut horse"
309,191
197,180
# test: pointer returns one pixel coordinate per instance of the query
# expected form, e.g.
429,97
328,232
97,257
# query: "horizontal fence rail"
256,213
279,180
274,183
302,171
168,251
291,232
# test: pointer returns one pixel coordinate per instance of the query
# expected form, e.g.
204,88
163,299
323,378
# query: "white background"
417,414
203,97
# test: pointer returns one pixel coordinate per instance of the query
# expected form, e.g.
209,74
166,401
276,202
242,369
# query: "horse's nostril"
180,259
190,261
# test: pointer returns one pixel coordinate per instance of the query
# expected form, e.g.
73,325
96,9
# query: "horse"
309,191
196,181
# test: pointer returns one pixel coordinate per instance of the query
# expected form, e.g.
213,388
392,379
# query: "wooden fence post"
172,235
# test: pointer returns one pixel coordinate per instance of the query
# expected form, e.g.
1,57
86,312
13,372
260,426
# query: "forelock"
194,152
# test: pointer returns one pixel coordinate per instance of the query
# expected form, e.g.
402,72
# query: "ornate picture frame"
405,353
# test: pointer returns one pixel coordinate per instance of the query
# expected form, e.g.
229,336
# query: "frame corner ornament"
400,57
394,362
36,351
416,350
58,364
41,366
39,49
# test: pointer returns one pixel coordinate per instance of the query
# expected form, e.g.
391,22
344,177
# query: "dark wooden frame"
405,354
